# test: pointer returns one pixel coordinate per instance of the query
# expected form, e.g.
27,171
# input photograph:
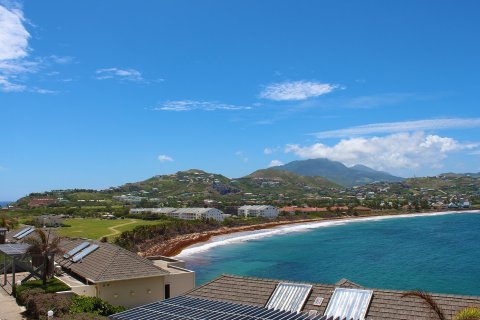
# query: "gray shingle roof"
385,304
108,263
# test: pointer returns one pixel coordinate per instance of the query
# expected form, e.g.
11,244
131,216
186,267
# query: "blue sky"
95,94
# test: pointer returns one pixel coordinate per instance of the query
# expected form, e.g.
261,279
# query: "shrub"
38,303
471,313
24,295
82,316
94,305
53,285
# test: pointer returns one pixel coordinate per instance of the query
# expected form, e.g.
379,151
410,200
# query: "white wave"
238,237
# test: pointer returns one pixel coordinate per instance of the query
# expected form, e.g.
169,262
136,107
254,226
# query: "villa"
235,297
264,211
107,271
184,213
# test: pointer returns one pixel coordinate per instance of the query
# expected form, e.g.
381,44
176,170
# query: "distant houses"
184,213
49,220
40,202
264,211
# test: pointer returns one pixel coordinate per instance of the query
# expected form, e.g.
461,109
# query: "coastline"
178,245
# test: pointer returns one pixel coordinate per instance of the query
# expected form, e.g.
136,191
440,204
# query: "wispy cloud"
405,126
296,90
189,105
13,47
165,158
120,74
400,150
241,155
15,60
270,150
275,163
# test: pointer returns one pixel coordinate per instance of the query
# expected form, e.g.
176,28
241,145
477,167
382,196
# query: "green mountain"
337,172
194,186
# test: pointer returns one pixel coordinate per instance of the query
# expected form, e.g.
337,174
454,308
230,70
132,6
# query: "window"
167,291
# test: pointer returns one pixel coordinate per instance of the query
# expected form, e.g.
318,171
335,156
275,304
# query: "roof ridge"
107,266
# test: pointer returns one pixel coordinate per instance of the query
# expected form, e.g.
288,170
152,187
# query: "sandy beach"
191,243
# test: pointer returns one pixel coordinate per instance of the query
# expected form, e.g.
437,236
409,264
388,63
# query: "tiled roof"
385,304
108,263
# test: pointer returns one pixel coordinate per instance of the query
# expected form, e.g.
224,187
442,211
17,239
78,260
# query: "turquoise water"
433,253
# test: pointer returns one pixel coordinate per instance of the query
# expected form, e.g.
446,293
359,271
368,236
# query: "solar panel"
349,303
84,253
186,307
76,250
21,231
26,233
289,297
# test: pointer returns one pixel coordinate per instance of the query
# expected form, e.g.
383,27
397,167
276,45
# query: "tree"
45,246
471,313
7,222
428,299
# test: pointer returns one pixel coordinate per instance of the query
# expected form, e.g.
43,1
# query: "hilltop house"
235,297
264,211
184,213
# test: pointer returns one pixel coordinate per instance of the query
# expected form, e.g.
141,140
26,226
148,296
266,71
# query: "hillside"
194,186
337,172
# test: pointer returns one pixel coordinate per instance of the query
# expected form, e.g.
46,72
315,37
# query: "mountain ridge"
337,172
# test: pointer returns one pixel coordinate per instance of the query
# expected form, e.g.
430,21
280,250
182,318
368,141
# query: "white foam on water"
243,236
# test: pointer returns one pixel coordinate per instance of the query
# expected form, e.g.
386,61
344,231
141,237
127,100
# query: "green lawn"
97,228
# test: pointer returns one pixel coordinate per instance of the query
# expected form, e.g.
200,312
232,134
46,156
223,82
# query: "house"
302,209
264,211
40,202
119,276
49,220
184,213
235,297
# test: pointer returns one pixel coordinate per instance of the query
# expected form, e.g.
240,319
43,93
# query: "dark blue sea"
438,253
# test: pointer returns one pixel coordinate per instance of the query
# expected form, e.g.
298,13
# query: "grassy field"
98,228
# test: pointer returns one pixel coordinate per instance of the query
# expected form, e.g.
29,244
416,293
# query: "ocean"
4,203
439,253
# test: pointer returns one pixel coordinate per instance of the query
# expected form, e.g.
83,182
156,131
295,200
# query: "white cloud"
13,35
14,51
296,90
395,151
392,127
271,150
275,163
165,158
189,105
121,74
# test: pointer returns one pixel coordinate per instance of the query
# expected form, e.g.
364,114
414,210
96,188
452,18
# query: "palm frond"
428,299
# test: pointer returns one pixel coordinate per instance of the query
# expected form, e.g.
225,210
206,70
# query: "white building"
264,211
184,213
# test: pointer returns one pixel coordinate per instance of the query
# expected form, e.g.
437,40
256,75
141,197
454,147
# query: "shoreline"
175,246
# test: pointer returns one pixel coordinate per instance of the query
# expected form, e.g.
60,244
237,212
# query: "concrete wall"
132,293
180,283
89,291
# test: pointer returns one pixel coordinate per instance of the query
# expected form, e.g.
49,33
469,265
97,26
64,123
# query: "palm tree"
7,222
428,299
44,246
471,313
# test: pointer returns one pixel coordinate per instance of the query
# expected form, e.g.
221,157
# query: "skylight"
349,304
289,297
